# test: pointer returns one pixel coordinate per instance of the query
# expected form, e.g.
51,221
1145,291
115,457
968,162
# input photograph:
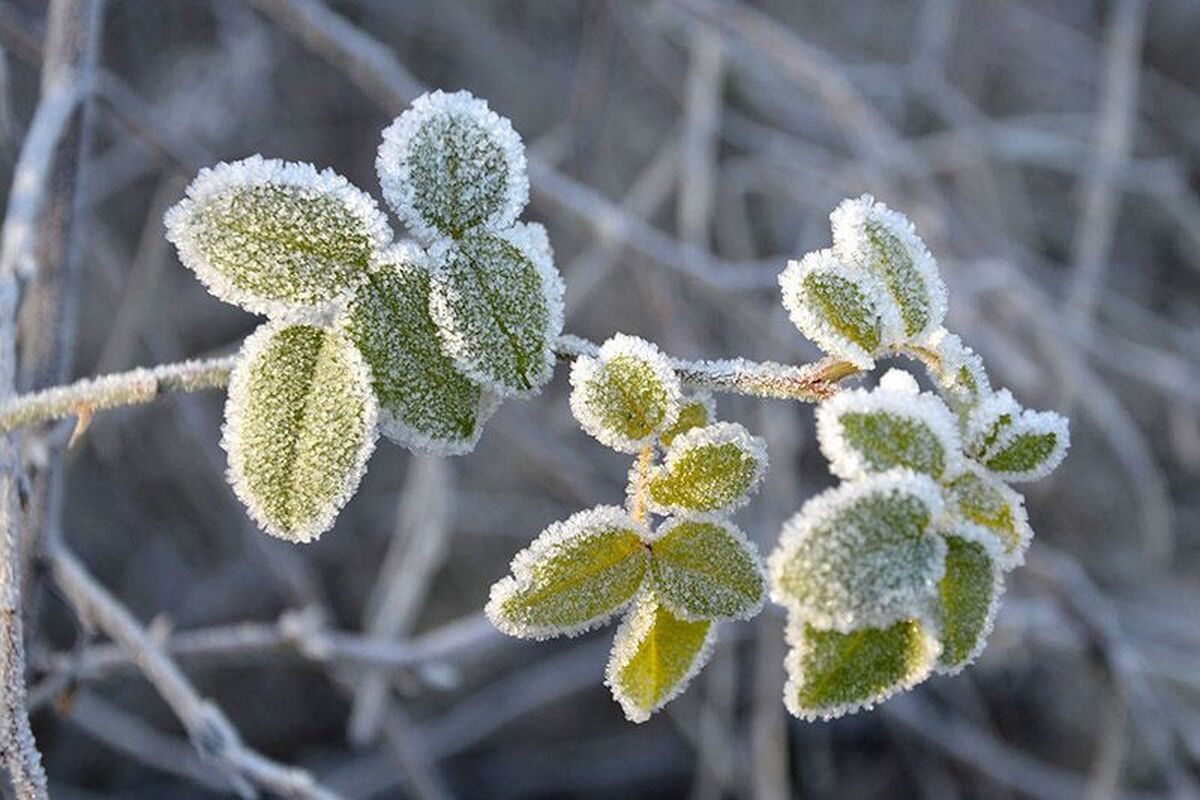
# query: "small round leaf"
714,468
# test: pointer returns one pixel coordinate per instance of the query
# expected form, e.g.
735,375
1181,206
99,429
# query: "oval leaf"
714,468
654,656
449,165
497,300
706,569
573,577
884,243
848,314
425,403
862,553
1030,448
831,674
626,395
275,237
299,427
996,512
862,432
968,597
696,410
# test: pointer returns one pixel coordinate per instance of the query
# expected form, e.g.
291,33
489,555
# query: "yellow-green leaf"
831,674
695,411
995,509
706,569
714,468
299,427
655,654
425,403
968,596
574,576
276,237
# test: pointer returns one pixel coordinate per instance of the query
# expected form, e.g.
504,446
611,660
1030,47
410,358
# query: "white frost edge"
531,241
255,170
822,508
585,369
391,162
973,531
955,355
895,396
739,536
851,247
791,689
1035,422
392,427
716,434
983,417
993,611
579,525
814,326
627,640
231,431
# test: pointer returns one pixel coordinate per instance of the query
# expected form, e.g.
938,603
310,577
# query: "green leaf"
836,308
626,395
968,596
697,411
425,403
714,468
706,570
299,427
891,426
962,379
655,654
883,242
861,554
497,300
994,508
274,237
1030,448
831,674
573,577
450,165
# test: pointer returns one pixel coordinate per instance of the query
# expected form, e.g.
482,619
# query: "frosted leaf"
299,427
706,569
275,237
697,410
497,300
449,165
994,511
894,425
714,468
968,599
425,404
573,577
847,313
987,420
833,673
654,656
1031,447
962,380
869,235
863,553
626,395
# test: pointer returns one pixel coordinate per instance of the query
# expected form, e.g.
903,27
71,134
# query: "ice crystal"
575,576
861,554
627,395
832,673
714,468
655,655
862,432
497,300
275,237
872,237
450,165
847,313
425,403
706,568
299,427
